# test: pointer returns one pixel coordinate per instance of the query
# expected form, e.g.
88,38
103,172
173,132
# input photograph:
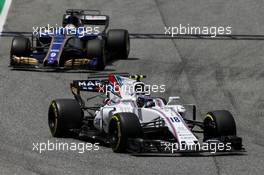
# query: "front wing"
141,146
31,64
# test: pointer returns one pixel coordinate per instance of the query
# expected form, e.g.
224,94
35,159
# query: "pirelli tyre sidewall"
20,46
64,115
219,123
118,44
123,126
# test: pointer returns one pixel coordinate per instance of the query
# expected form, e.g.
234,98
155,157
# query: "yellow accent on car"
212,119
77,62
25,60
119,131
209,116
136,76
56,117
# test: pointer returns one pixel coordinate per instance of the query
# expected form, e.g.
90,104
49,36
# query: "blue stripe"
55,48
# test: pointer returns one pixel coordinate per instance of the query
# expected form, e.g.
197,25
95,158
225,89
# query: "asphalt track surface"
212,74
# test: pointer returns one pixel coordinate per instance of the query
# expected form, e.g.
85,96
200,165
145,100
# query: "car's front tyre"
20,46
219,123
123,126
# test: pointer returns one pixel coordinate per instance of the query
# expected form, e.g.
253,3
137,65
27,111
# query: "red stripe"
174,131
114,83
133,102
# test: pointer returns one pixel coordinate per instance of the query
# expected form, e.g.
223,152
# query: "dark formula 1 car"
82,42
130,120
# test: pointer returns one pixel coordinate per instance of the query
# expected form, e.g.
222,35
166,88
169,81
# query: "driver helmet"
74,20
144,101
70,27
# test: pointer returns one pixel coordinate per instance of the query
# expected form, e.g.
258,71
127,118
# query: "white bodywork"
127,102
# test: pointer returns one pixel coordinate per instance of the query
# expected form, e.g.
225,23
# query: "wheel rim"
115,135
209,126
114,138
53,119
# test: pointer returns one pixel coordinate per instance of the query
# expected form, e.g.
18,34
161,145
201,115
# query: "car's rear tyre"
219,123
95,49
121,127
118,44
64,115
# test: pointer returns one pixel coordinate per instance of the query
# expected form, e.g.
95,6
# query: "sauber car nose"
53,63
55,50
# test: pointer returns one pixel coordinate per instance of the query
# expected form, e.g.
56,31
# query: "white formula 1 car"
130,120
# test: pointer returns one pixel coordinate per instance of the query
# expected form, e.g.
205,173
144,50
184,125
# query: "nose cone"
51,63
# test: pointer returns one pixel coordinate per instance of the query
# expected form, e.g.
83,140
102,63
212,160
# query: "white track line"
4,13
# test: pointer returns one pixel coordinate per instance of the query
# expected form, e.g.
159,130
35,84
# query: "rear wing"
82,11
87,17
88,85
98,82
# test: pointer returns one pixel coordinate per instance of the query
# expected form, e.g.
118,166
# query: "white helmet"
70,27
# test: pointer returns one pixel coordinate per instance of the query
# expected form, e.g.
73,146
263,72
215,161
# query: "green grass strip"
2,3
